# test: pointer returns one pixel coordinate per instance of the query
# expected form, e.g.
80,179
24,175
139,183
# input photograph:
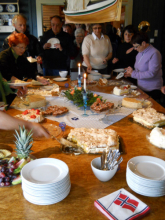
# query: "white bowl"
63,74
102,175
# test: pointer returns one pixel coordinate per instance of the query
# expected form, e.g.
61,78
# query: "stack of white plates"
45,181
146,176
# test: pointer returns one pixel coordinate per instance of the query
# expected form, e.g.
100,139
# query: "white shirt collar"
96,38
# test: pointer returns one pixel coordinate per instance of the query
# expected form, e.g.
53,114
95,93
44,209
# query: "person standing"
148,68
96,50
55,59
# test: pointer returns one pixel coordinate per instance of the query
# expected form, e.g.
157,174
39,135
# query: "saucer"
60,79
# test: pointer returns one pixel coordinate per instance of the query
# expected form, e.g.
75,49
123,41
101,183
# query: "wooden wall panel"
48,12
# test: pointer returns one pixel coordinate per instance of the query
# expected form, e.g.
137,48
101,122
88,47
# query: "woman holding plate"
96,50
13,64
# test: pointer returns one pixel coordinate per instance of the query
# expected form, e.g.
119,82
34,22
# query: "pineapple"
23,142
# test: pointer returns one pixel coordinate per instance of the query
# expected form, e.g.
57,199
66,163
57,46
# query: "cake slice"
103,82
121,90
149,117
157,137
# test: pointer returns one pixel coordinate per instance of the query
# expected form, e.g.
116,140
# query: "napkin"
121,205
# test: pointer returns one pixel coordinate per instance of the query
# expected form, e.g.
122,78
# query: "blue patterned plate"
10,8
1,8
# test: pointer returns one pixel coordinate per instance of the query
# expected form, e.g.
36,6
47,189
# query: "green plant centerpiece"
76,95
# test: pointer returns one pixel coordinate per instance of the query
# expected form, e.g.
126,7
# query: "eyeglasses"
22,48
135,47
97,28
79,36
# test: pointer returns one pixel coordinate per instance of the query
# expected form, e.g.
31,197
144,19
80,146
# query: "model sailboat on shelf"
88,11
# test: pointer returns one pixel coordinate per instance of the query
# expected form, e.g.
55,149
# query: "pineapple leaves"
24,142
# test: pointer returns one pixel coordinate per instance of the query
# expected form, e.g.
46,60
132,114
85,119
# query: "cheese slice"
33,101
131,103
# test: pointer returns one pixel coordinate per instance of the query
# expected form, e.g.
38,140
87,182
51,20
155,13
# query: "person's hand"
38,130
115,60
43,80
129,72
58,46
163,89
39,59
47,46
89,68
21,91
105,61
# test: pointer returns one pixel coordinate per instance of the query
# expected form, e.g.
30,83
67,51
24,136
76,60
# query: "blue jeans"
52,72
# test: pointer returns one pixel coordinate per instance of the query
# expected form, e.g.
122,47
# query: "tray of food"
91,141
118,82
149,118
55,110
12,163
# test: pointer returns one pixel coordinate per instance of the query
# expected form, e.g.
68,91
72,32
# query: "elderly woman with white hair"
79,36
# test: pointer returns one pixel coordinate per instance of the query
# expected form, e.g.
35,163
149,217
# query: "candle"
85,76
79,65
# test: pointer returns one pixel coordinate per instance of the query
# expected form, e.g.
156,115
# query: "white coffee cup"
9,21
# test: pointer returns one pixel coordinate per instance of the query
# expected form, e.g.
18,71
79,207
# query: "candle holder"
85,103
79,80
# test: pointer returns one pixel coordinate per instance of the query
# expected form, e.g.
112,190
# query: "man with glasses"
55,54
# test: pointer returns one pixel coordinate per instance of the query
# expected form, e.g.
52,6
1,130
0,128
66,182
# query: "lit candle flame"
79,64
85,75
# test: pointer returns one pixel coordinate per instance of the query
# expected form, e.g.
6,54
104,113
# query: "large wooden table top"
85,187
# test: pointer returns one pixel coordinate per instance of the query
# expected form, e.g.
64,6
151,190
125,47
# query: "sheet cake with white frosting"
94,140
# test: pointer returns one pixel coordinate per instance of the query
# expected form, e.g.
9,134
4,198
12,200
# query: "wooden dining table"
85,187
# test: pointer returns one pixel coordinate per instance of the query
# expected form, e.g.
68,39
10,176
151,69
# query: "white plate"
20,84
95,73
60,79
1,8
31,59
44,171
53,41
106,76
118,70
10,8
147,167
133,87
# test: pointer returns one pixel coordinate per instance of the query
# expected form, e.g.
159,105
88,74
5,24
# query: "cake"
33,115
121,90
157,137
100,106
103,82
149,117
132,103
55,110
32,101
94,140
19,81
